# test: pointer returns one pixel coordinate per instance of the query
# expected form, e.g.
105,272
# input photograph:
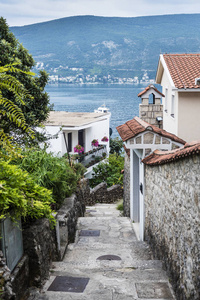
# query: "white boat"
102,109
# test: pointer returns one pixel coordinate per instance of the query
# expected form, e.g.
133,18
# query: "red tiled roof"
148,88
161,157
184,69
136,126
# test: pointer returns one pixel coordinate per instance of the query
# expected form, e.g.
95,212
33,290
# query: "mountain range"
123,47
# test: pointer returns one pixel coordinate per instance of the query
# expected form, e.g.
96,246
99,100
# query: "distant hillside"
105,45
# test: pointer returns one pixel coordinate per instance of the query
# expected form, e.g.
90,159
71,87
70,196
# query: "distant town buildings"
79,76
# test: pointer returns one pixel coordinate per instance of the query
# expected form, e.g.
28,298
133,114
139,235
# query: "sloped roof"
161,157
183,69
151,86
136,126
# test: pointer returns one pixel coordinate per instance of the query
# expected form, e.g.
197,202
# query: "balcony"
91,157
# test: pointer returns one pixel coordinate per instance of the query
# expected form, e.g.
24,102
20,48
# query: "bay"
122,100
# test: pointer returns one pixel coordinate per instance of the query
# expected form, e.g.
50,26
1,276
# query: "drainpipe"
67,148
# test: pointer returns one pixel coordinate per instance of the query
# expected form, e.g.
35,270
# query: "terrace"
92,157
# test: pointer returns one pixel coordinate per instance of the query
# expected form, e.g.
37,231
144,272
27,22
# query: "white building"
179,76
65,130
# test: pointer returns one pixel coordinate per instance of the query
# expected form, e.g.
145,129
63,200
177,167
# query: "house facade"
68,129
141,139
179,76
161,172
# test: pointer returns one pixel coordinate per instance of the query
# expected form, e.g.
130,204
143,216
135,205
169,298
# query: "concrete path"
86,275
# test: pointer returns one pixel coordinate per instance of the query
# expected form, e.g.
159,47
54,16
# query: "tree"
109,171
20,195
116,146
37,107
10,110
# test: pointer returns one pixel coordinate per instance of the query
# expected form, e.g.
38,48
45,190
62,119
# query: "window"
81,137
172,106
166,100
70,142
152,99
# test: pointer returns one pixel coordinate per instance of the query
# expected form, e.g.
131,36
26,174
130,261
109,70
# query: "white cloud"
20,12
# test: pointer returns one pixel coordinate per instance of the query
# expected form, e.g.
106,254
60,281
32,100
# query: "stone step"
134,276
120,266
115,284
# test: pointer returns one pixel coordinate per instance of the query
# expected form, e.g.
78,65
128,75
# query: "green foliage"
109,172
51,172
10,110
79,169
120,207
20,195
35,105
116,146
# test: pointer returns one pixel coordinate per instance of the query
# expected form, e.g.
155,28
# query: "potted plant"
104,155
95,143
104,139
79,149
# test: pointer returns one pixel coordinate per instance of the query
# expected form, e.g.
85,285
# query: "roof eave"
159,72
187,90
162,66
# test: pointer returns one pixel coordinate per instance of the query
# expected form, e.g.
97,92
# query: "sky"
24,12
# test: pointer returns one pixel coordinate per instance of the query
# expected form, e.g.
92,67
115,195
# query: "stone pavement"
106,262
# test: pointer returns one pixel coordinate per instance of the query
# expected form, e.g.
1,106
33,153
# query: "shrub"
51,172
120,207
109,172
20,195
116,146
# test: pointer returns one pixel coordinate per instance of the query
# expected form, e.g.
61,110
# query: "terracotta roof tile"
148,88
184,69
161,157
136,126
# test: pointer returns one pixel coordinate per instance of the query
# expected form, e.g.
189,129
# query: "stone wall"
14,285
42,245
102,194
6,291
150,112
20,278
126,184
172,221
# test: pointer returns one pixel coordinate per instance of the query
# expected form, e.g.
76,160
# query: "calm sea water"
122,100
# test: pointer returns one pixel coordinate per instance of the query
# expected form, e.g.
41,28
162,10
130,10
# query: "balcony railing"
91,157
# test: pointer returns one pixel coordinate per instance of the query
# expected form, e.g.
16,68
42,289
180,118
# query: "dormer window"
197,81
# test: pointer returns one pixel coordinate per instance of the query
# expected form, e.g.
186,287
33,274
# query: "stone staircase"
106,262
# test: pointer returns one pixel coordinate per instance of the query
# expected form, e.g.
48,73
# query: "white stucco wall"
189,114
55,144
95,130
170,123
